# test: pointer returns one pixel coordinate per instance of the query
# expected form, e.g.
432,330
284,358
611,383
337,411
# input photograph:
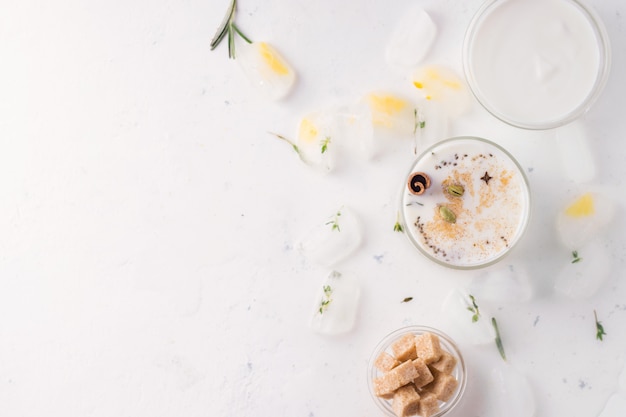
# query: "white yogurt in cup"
476,206
536,64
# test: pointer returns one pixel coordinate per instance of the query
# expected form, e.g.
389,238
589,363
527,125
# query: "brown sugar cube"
405,401
385,362
442,387
445,364
394,379
427,347
405,372
404,348
425,376
428,405
385,385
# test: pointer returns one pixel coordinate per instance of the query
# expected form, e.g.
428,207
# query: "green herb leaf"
239,32
600,333
576,257
335,222
498,338
398,226
474,309
324,144
293,145
225,25
422,124
326,300
407,299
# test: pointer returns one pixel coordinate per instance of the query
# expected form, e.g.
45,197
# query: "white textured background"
148,221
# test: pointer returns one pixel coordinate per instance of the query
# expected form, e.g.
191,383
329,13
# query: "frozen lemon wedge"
266,69
582,207
391,112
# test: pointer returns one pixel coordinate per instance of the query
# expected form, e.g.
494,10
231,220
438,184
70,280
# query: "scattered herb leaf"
324,144
600,333
498,338
398,226
293,145
326,300
576,257
422,124
407,299
335,222
474,309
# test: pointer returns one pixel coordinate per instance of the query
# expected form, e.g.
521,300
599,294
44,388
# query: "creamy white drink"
475,208
536,63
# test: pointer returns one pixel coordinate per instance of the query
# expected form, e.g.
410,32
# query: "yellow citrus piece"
308,131
581,207
272,59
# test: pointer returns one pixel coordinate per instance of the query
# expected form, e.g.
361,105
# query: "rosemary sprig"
576,257
474,309
498,338
228,27
224,26
600,333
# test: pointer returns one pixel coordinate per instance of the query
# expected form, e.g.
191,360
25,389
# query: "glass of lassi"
536,64
465,202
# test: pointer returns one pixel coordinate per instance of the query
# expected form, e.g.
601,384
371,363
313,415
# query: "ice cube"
443,85
336,304
584,274
622,380
266,69
316,141
352,125
457,311
392,114
584,218
509,284
411,39
615,406
511,394
431,124
333,240
575,153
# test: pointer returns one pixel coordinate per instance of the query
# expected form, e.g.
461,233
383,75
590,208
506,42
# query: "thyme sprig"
335,222
474,309
398,226
499,344
600,333
290,142
326,300
228,27
324,144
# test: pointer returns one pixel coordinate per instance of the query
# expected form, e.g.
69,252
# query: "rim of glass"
604,47
522,228
447,343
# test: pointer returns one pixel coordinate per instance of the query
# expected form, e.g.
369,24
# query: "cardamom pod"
447,214
456,190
